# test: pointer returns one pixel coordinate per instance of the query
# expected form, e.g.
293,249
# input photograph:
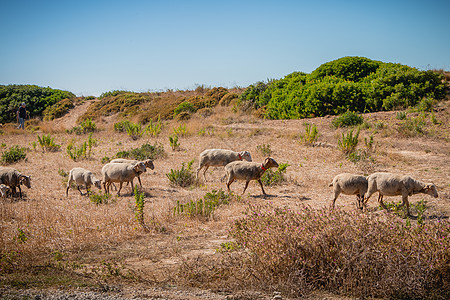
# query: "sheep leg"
405,201
140,183
230,181
132,186
262,188
336,194
204,173
198,170
380,200
120,187
78,187
20,192
246,185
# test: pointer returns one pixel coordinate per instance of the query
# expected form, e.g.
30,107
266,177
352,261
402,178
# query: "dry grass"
94,240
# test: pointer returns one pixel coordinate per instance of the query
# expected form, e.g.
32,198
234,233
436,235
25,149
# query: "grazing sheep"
243,170
121,172
349,184
218,158
82,177
12,178
148,164
3,191
388,184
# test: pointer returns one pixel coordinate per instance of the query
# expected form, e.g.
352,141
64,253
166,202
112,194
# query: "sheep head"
269,162
245,155
149,164
25,180
98,184
139,167
431,190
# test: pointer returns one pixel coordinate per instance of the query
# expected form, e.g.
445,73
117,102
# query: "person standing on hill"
21,115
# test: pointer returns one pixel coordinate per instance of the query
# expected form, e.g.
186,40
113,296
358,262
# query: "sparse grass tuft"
349,142
203,208
183,177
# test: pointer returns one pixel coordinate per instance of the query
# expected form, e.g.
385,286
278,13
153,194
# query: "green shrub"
135,131
271,177
311,134
14,154
121,126
204,207
146,151
349,142
139,199
154,128
347,119
264,149
346,84
183,177
88,126
82,151
47,143
58,109
184,107
401,115
100,198
173,141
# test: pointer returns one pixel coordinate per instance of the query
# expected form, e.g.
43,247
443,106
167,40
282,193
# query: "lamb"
148,164
3,191
121,172
220,157
12,178
243,170
349,184
82,177
388,184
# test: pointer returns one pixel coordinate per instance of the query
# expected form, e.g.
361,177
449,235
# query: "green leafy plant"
271,177
183,177
121,126
100,198
180,130
14,154
154,128
47,143
347,119
204,207
135,131
139,199
401,115
173,140
349,142
311,134
264,149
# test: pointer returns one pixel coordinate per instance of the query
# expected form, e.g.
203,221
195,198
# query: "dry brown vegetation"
49,240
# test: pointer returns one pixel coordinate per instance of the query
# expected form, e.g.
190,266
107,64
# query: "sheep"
121,172
349,184
148,164
12,178
82,177
243,170
388,184
219,157
3,191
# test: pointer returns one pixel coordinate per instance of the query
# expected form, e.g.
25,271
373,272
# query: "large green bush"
36,98
347,84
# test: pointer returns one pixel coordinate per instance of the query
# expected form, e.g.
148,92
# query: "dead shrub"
346,253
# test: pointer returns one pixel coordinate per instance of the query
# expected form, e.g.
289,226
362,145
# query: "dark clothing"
22,112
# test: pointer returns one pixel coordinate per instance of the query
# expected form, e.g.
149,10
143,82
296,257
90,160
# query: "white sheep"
388,184
12,178
219,158
82,177
243,170
148,164
121,172
349,184
3,191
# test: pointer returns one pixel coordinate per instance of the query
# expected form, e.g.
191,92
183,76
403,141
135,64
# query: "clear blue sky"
90,47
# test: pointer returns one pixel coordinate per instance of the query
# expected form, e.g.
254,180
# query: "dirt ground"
105,241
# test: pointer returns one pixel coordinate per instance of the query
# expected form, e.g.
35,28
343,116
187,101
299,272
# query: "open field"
49,241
